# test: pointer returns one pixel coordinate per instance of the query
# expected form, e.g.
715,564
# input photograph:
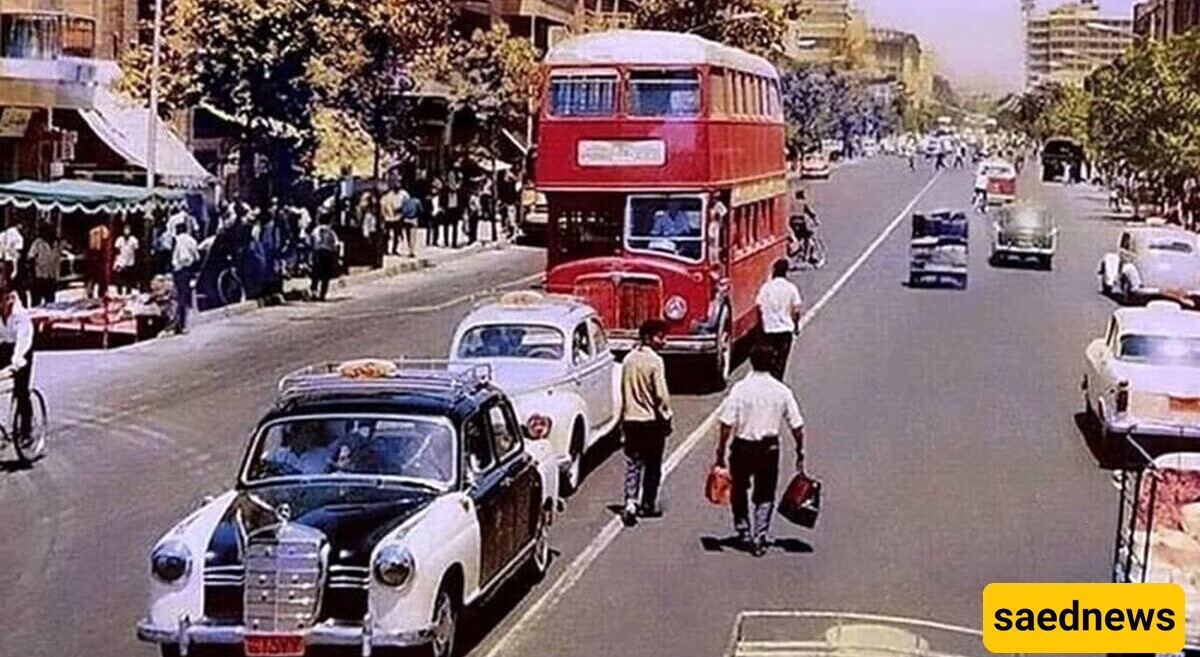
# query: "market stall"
97,206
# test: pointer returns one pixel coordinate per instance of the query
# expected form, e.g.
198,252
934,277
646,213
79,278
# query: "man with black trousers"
645,421
752,415
779,305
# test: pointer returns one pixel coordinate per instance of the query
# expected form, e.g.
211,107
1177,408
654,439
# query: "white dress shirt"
127,246
758,406
778,301
18,331
186,252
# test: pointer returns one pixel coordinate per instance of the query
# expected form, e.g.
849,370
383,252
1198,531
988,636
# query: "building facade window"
30,36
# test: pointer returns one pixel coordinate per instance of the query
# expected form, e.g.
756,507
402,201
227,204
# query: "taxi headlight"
675,309
394,566
171,561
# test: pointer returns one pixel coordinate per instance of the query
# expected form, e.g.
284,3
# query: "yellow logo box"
1083,618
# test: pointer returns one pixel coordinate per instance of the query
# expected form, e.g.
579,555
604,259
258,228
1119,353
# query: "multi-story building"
57,116
1069,42
1161,19
821,35
896,54
543,21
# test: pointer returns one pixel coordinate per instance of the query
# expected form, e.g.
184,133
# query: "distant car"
816,166
939,247
1001,181
1024,232
1153,262
535,220
551,355
374,503
1143,377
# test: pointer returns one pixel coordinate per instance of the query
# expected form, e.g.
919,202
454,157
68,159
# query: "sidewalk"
392,266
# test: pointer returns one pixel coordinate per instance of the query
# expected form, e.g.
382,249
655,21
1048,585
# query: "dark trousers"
753,464
645,443
449,228
21,379
44,291
183,296
322,272
781,344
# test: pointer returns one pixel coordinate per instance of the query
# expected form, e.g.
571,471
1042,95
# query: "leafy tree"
759,26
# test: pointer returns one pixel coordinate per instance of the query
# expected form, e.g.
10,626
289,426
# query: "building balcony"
62,83
602,21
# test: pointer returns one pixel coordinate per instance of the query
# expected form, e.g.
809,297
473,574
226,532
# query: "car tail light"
1123,397
539,426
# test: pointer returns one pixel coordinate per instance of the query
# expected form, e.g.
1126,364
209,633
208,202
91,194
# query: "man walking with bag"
645,421
779,305
752,415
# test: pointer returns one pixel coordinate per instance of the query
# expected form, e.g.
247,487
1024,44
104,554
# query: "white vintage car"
1153,262
1142,379
372,506
550,354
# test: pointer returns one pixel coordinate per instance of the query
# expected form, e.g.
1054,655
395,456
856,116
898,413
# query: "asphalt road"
941,421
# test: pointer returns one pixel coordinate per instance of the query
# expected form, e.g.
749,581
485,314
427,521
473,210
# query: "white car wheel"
445,625
574,474
539,560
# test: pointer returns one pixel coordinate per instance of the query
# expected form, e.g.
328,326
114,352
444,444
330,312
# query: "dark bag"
801,503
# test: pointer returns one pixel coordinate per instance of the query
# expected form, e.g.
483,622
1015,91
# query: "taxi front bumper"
364,635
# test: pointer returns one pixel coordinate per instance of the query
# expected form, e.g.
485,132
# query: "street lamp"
152,119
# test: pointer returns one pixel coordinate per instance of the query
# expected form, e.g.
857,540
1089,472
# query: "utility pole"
152,119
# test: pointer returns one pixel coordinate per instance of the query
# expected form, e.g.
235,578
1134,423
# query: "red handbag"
718,486
801,503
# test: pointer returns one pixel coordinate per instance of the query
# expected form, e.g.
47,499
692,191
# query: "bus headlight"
675,309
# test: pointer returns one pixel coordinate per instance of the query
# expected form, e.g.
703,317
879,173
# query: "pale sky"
978,42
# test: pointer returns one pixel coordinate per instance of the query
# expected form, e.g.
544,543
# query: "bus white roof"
650,48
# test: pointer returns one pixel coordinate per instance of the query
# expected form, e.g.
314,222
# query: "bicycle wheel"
816,254
31,446
229,288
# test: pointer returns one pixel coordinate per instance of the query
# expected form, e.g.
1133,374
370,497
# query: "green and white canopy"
87,196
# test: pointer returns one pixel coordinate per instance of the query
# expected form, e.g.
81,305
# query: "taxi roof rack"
409,374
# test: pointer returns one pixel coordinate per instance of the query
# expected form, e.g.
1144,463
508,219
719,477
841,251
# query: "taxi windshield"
668,226
1161,350
512,341
415,449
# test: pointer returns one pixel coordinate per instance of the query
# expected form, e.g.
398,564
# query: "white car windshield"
666,225
340,446
1172,246
1161,350
512,341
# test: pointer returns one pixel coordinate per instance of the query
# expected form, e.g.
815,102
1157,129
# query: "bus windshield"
666,226
590,94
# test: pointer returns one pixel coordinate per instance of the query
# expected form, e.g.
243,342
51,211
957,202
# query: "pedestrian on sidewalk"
452,209
325,246
184,259
645,421
46,255
411,212
125,262
434,209
97,260
389,208
474,215
750,418
779,306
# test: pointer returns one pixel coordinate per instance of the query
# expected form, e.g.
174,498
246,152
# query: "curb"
351,281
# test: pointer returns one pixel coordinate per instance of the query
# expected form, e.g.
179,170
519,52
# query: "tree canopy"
759,26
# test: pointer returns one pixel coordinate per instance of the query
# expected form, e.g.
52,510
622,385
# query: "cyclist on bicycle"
16,355
803,222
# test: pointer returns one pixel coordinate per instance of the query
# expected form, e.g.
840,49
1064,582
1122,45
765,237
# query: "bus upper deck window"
583,95
664,93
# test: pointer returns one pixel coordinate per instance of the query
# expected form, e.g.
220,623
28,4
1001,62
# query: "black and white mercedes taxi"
375,501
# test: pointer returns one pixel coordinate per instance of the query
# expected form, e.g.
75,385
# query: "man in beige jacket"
645,422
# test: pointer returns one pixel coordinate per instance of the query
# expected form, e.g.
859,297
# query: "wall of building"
1161,19
1068,43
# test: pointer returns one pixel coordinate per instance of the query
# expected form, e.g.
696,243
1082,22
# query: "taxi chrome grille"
285,572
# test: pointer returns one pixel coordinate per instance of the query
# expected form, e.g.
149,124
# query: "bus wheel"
722,360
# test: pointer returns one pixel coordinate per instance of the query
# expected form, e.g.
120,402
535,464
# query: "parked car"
375,501
1142,378
550,354
1024,232
1153,262
939,247
535,218
816,165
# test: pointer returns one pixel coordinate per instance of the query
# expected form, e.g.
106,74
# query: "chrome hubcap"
443,627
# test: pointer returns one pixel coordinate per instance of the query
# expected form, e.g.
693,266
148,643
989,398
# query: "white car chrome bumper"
363,635
1000,249
1153,429
938,269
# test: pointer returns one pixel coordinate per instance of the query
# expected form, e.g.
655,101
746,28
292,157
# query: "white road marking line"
577,568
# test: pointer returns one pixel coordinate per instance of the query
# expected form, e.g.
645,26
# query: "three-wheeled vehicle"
1158,527
939,247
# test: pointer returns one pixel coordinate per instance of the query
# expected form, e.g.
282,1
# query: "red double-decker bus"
661,156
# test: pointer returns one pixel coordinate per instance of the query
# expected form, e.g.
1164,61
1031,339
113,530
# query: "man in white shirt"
16,354
752,415
184,259
779,306
125,262
979,199
12,243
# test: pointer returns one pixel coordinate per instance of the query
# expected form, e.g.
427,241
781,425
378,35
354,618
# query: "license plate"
278,645
1185,404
